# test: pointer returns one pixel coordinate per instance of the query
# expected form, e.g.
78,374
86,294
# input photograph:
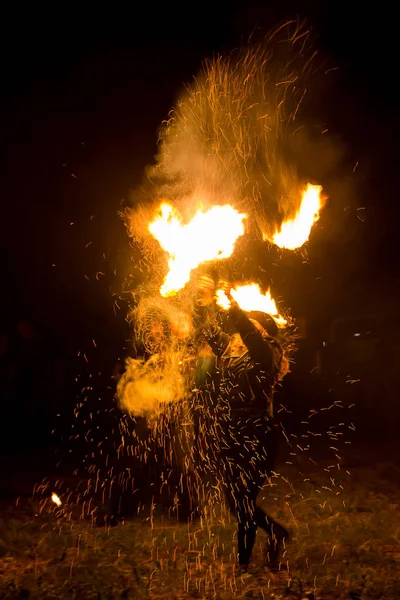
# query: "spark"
56,499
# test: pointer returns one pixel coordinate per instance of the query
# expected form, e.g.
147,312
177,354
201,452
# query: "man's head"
160,324
267,326
264,322
156,335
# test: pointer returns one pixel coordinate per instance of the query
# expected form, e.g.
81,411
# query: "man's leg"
277,535
244,475
250,517
247,531
241,502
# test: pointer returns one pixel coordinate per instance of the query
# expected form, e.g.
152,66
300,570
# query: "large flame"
249,297
210,235
295,232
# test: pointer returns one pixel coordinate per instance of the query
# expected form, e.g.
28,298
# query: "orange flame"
56,499
210,235
295,232
249,297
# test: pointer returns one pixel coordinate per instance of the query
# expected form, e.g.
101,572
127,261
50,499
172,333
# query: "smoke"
163,328
148,388
233,134
237,135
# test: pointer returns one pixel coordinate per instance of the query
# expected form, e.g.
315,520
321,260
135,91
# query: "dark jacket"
245,379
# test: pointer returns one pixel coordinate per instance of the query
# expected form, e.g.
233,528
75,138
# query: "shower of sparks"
223,138
293,233
210,235
250,298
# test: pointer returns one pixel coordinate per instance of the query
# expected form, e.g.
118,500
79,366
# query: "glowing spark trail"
56,499
210,235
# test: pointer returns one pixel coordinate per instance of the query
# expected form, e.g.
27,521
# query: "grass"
345,543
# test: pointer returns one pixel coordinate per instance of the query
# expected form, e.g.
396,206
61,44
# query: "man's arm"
215,337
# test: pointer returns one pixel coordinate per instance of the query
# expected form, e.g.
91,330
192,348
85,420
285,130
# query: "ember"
56,499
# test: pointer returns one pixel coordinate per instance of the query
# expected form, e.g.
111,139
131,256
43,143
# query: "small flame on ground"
210,235
249,297
56,499
295,232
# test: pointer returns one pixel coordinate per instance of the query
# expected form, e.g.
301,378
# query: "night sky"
83,95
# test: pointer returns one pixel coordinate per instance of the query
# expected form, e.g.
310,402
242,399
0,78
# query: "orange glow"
56,499
182,325
210,235
249,297
295,232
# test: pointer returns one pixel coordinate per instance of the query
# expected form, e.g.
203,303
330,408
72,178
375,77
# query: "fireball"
293,233
210,235
250,298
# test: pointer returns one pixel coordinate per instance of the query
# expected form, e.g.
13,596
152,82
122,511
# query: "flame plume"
210,235
239,128
249,297
293,233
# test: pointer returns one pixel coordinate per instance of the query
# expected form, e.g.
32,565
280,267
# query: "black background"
84,91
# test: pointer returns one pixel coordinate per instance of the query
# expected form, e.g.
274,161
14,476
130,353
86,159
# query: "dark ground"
345,536
335,487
